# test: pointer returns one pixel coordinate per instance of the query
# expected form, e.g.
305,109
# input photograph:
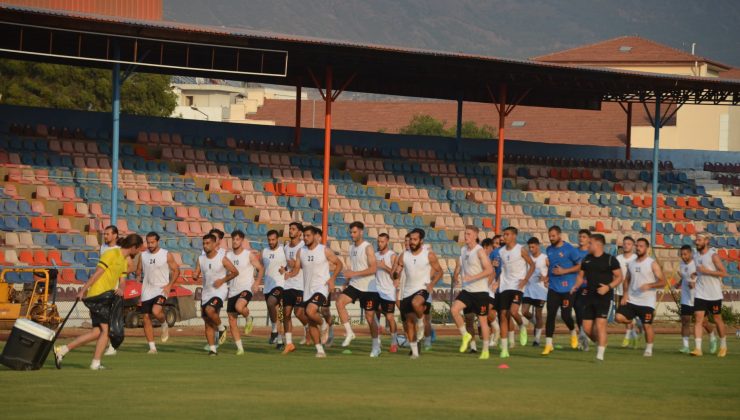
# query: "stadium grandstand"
184,178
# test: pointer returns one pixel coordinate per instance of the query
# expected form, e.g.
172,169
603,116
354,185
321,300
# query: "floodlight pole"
298,102
500,161
656,146
116,117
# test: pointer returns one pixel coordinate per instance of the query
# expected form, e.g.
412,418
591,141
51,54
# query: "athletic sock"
473,346
63,350
537,334
428,341
511,336
525,322
685,341
414,348
462,330
347,329
712,336
548,341
628,334
239,345
152,346
274,327
697,343
504,344
280,339
212,348
723,342
485,344
376,343
221,328
95,364
649,347
319,348
600,352
572,333
288,338
394,337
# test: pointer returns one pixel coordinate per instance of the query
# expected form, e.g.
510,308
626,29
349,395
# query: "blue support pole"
458,133
116,114
656,147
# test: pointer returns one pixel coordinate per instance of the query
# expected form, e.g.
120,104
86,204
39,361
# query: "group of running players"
505,286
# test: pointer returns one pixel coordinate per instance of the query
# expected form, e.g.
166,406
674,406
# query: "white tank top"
623,261
707,287
213,269
383,280
641,272
290,253
245,279
471,266
514,267
273,260
687,293
156,273
418,271
535,288
315,268
358,262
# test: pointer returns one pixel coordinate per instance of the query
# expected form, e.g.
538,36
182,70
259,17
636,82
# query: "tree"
60,86
426,125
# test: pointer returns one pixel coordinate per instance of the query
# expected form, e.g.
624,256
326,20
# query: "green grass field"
182,382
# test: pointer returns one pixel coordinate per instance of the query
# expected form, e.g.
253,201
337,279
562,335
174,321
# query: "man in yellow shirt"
98,295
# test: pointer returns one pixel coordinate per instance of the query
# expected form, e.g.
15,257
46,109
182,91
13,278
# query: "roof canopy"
238,54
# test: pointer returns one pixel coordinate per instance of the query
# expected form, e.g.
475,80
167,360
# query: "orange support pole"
298,102
628,134
327,155
500,163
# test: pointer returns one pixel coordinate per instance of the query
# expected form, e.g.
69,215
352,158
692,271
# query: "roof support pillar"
328,95
628,133
656,146
327,155
115,117
500,162
458,132
297,129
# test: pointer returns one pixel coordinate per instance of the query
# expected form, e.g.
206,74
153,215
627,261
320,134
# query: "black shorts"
493,303
687,310
387,306
596,306
564,301
406,307
645,313
316,299
368,300
276,292
537,303
147,305
327,302
231,302
714,307
214,302
292,297
475,303
507,298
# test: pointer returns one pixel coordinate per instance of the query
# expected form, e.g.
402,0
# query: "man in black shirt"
604,274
